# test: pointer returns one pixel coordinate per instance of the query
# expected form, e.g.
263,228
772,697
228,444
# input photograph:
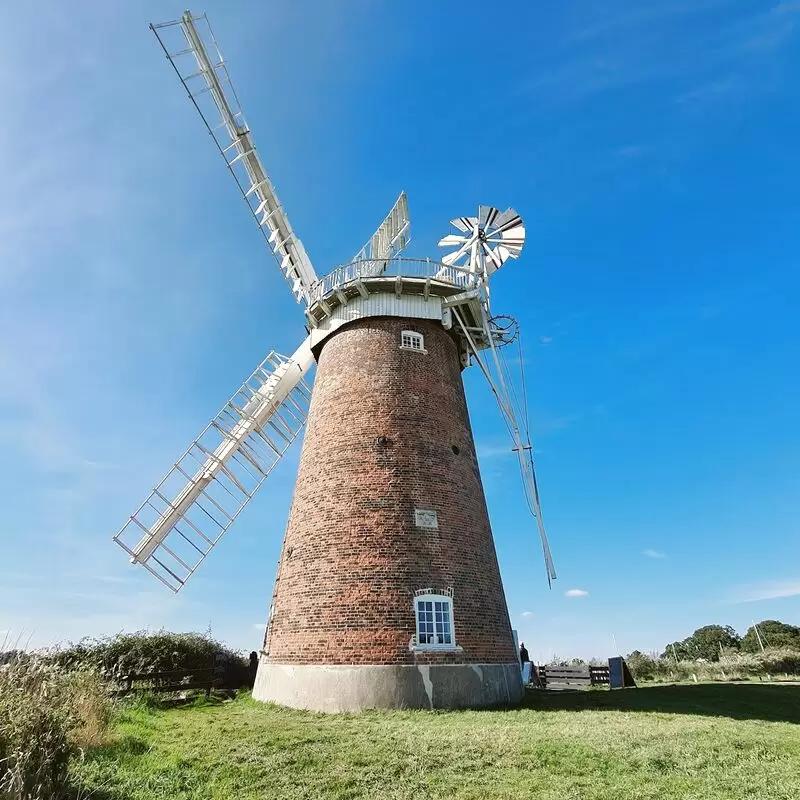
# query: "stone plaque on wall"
426,518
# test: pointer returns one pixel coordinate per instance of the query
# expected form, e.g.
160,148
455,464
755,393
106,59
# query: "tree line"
711,641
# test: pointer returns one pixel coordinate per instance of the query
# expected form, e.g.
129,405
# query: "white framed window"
411,340
434,613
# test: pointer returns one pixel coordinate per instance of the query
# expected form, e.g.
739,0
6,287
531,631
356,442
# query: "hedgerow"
143,652
732,665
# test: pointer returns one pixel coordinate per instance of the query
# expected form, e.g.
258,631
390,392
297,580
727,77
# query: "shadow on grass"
771,703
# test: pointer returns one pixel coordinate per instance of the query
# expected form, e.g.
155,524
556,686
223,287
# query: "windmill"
388,591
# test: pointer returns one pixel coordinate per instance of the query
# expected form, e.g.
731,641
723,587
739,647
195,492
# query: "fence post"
218,677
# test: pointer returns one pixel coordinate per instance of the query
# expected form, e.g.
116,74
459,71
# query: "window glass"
411,340
434,621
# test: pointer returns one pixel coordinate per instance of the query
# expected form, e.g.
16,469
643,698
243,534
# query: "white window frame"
416,341
439,627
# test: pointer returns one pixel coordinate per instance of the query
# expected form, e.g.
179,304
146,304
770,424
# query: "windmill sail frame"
389,240
223,116
190,510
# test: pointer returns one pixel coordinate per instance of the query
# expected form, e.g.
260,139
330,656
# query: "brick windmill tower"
388,591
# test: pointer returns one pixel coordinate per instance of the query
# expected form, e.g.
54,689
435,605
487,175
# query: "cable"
524,387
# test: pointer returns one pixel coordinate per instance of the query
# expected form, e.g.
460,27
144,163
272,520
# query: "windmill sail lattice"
391,238
191,508
208,84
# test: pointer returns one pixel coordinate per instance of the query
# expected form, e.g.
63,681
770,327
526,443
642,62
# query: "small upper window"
434,620
411,340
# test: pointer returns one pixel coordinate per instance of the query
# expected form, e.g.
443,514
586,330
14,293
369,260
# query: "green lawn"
703,742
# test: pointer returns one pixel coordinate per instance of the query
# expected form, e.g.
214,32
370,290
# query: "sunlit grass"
703,742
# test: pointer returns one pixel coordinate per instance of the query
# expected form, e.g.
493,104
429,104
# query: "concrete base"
337,689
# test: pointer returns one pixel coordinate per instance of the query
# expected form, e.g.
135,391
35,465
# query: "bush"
46,716
144,651
642,666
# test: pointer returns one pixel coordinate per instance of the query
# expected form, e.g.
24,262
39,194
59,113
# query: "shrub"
144,651
46,715
642,666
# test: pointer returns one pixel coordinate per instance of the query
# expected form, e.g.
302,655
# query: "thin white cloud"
545,339
486,451
576,593
258,626
653,553
765,590
527,614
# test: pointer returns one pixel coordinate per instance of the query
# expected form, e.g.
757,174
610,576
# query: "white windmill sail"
391,238
208,84
191,508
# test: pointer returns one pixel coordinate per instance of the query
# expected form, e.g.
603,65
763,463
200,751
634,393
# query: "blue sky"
652,152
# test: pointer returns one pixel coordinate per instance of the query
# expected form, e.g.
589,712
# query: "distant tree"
641,665
676,651
704,643
773,634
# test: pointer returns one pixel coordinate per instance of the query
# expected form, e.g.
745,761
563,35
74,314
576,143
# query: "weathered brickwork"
388,432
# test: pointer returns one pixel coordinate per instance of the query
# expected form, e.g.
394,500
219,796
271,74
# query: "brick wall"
381,439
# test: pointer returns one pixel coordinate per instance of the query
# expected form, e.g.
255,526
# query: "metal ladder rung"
287,439
235,480
180,53
243,452
198,532
189,541
167,569
210,515
253,188
167,550
234,143
242,155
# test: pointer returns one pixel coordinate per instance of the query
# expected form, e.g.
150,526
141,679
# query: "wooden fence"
222,676
171,681
573,676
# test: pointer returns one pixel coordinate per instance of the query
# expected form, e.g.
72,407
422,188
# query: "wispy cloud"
641,16
765,590
527,614
576,593
634,49
486,450
632,151
653,554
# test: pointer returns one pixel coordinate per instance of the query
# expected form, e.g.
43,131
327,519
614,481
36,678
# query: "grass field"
701,742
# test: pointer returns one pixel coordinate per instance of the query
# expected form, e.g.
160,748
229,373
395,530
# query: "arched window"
411,340
434,613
